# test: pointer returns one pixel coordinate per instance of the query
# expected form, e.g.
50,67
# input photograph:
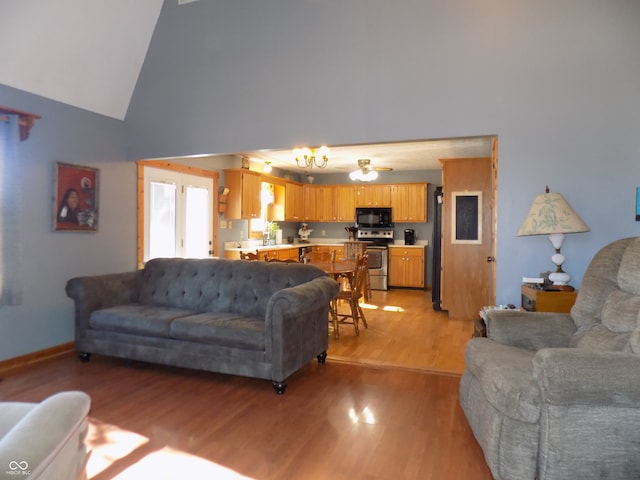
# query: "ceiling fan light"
363,176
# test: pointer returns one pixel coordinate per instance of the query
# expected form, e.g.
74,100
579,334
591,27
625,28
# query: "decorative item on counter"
352,232
304,233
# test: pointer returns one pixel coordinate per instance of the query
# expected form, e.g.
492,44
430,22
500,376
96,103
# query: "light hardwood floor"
404,331
355,417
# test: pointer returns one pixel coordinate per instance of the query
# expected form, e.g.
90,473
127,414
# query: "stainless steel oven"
378,266
378,239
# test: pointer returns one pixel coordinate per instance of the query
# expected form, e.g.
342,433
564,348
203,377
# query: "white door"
177,214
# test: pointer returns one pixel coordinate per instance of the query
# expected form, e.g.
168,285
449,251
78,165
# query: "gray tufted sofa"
557,396
255,319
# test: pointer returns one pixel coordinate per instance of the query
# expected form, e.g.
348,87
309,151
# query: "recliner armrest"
581,376
531,330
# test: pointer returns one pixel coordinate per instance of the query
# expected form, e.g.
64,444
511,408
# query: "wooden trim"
36,357
176,167
26,120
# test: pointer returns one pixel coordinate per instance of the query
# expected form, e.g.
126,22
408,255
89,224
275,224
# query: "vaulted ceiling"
84,53
89,54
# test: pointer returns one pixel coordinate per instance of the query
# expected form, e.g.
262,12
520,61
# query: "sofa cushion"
137,319
228,329
505,374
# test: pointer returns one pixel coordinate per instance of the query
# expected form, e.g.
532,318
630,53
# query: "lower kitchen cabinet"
406,266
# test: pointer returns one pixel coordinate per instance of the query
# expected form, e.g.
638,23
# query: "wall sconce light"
306,157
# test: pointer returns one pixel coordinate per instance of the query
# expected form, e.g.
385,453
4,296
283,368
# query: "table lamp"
550,214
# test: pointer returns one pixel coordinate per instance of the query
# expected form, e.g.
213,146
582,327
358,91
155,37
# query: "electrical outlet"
229,224
223,224
324,233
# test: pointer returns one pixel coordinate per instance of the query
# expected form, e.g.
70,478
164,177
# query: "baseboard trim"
36,357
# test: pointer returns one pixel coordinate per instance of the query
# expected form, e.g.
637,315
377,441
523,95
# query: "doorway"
176,206
468,235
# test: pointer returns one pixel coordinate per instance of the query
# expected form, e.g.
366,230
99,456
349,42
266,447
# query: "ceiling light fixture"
267,167
364,173
306,157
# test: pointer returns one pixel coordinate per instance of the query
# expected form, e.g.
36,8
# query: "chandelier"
306,157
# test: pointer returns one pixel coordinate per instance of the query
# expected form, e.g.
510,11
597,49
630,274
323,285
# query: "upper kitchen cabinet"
344,203
243,200
373,195
294,202
310,194
409,202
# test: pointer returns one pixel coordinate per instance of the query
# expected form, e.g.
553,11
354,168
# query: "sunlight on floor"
392,308
109,444
386,308
170,464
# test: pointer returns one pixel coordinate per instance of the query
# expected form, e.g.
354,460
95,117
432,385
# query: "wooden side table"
538,300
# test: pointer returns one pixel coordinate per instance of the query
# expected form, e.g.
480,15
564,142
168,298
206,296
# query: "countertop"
328,242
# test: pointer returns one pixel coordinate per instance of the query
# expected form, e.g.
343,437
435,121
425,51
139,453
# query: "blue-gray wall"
558,82
70,135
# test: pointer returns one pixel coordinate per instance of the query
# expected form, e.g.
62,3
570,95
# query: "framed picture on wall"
76,198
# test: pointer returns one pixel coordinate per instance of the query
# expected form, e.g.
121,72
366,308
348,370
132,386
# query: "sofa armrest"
296,325
101,291
303,298
50,440
531,330
587,377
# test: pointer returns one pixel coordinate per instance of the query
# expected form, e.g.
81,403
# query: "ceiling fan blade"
382,169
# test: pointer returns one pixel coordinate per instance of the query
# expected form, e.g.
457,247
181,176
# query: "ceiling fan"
367,172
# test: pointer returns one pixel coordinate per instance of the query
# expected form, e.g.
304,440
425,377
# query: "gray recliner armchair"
557,396
45,440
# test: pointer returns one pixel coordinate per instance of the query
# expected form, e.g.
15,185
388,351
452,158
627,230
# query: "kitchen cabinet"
279,253
326,203
343,203
406,266
310,195
373,195
337,203
318,203
322,253
243,200
409,202
293,202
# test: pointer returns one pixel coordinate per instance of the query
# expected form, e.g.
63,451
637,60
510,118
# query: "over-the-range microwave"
373,217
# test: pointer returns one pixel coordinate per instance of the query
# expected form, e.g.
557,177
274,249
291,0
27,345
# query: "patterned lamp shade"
550,213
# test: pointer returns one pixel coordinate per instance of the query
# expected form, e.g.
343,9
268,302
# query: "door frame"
493,202
178,168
